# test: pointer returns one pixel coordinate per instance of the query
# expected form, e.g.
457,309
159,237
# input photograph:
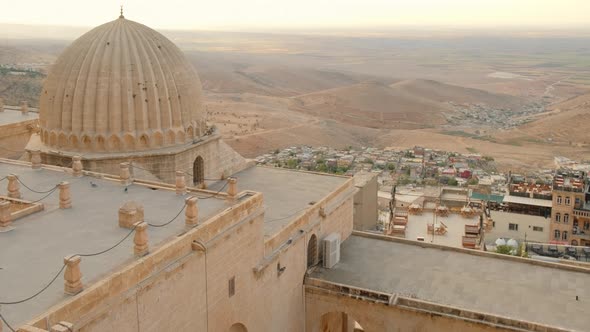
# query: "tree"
391,166
453,182
473,181
504,250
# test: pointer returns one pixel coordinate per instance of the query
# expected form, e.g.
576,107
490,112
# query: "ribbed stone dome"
121,87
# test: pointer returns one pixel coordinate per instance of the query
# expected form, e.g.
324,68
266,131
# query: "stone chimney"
24,107
130,213
180,183
192,211
72,275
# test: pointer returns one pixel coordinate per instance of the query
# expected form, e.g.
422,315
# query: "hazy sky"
228,14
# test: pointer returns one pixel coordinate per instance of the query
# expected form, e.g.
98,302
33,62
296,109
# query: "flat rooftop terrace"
33,252
418,227
10,116
496,286
286,193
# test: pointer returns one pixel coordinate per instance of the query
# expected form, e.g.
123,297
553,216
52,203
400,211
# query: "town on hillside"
543,214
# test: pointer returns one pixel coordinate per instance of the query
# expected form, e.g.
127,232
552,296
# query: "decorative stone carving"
65,198
140,239
125,175
77,166
13,186
130,213
36,159
180,183
72,275
191,212
24,107
232,189
5,217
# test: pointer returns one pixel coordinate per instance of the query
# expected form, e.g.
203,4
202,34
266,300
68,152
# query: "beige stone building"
125,93
570,214
91,246
16,128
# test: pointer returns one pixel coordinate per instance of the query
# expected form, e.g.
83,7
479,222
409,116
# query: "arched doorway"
339,322
312,251
574,243
238,327
198,171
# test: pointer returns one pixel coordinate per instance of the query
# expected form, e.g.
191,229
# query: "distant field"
270,90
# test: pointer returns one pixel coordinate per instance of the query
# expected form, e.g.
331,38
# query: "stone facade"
219,161
192,293
14,137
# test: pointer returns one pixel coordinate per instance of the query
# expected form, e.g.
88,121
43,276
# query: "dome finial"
121,16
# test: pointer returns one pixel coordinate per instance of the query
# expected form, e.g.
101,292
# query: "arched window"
558,199
558,217
312,251
198,171
238,327
557,234
566,218
564,235
567,200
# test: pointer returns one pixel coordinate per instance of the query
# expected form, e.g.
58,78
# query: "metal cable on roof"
33,190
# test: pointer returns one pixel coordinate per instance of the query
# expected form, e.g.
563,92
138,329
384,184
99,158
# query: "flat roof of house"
527,201
10,116
33,252
518,290
287,193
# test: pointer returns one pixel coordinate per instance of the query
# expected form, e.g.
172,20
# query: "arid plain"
521,98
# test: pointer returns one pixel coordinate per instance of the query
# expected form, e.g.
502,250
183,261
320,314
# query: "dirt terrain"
519,98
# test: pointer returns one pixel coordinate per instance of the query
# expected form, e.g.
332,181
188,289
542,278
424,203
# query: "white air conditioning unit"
331,250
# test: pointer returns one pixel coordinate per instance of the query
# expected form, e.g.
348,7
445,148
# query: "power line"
33,190
44,197
6,323
92,254
171,220
39,292
288,216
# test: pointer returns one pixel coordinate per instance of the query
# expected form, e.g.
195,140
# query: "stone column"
62,327
1,110
232,190
72,275
5,217
36,159
13,186
65,198
124,174
192,211
141,239
77,166
180,183
24,107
